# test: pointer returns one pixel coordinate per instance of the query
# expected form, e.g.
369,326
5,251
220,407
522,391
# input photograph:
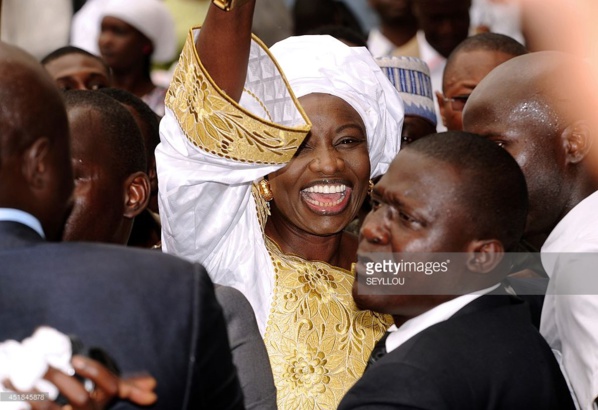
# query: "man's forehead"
412,167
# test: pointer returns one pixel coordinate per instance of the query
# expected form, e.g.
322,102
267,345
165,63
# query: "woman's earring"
370,187
264,187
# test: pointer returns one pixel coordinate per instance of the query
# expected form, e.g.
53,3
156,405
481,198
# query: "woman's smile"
327,197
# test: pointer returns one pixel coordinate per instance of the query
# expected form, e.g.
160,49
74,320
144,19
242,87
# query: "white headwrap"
322,64
150,17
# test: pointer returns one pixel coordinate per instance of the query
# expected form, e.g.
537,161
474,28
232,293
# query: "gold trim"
217,124
228,5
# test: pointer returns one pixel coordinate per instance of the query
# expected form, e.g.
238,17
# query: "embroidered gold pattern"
215,123
317,340
261,206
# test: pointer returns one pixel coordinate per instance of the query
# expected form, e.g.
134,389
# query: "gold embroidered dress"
211,152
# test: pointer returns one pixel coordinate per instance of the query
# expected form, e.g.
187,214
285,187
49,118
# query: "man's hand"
108,387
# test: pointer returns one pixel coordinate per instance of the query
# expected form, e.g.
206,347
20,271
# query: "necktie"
378,351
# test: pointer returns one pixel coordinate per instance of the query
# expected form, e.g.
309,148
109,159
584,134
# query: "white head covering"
411,77
322,64
150,17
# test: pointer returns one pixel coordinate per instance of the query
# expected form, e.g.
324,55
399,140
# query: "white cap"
150,17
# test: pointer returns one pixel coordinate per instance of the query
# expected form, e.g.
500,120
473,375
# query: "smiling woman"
289,256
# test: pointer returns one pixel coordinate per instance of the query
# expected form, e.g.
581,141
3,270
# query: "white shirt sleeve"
207,209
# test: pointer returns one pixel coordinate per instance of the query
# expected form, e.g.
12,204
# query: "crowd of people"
217,236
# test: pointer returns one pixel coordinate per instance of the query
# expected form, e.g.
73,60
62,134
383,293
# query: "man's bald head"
540,107
31,101
553,80
35,174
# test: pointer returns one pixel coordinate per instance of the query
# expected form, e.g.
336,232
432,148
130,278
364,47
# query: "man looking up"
75,69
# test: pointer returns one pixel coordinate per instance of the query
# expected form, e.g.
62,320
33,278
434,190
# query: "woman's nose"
327,162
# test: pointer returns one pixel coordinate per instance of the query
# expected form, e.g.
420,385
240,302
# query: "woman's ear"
137,194
483,256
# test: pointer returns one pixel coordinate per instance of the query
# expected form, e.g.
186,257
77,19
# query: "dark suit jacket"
151,312
249,351
487,356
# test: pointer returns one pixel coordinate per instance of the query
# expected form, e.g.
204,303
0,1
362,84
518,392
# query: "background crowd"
192,207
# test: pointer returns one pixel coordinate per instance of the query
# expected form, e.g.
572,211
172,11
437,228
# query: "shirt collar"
565,235
438,314
16,215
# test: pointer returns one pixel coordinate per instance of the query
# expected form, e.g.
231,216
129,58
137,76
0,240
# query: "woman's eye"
302,149
349,141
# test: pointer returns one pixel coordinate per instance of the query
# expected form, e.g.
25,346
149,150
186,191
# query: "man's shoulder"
116,253
490,320
110,261
491,346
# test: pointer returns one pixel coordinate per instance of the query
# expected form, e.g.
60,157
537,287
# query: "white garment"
440,313
208,215
570,321
503,17
152,18
436,63
379,45
85,28
25,364
207,208
37,26
16,215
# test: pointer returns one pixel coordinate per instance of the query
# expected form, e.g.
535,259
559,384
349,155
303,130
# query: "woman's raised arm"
223,46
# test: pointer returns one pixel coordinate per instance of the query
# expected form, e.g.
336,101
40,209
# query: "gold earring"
370,187
264,187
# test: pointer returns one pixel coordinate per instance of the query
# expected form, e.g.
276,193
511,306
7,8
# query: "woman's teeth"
326,189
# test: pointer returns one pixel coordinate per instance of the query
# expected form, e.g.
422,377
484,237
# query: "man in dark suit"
458,341
151,312
106,203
